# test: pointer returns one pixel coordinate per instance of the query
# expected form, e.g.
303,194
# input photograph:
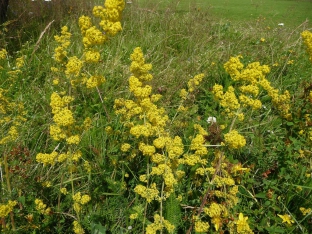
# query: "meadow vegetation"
145,118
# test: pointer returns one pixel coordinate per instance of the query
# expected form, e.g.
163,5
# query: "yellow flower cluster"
225,191
92,36
54,157
20,62
201,227
251,78
77,228
227,100
3,54
92,56
94,81
80,200
63,129
234,140
5,209
149,194
166,172
159,224
144,105
216,212
60,52
194,82
41,207
125,147
110,16
73,67
305,211
12,116
47,159
307,39
247,101
63,117
147,150
134,216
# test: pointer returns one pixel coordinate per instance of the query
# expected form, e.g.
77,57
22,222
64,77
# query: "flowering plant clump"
72,74
166,154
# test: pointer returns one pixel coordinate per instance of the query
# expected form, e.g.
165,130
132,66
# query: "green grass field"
206,128
290,12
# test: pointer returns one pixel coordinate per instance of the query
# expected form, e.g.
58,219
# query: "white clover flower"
211,120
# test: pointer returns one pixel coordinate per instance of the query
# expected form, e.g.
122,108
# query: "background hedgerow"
181,122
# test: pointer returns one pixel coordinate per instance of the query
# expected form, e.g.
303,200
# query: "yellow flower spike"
307,39
77,228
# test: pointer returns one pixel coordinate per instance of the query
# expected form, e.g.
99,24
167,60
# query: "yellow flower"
305,211
94,81
41,207
234,140
307,39
242,225
6,209
63,191
125,147
64,117
286,219
201,226
73,140
87,166
3,54
134,216
149,194
73,66
77,228
85,199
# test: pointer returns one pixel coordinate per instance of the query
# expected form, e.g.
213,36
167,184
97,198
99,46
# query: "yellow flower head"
286,219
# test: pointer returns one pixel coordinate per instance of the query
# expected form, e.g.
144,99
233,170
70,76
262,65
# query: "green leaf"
260,195
97,229
275,229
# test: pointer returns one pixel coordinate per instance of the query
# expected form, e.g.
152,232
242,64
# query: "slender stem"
102,101
161,205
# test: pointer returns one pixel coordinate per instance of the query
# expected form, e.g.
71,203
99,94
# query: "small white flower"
130,227
211,120
281,24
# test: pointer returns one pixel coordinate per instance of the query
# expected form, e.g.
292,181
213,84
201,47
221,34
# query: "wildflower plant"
72,73
168,159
